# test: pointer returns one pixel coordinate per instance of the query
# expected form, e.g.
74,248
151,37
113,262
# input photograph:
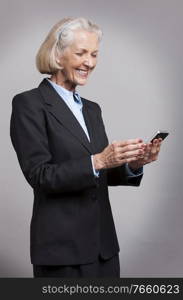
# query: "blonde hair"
60,37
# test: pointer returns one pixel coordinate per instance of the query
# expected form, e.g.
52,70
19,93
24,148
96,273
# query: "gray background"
138,83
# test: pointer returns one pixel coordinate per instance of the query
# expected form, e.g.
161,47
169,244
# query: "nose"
88,62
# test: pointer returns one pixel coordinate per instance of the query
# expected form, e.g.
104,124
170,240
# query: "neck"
66,84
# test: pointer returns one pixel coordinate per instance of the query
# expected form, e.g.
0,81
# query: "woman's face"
78,59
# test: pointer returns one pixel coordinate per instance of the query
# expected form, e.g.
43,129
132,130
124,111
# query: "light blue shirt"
75,104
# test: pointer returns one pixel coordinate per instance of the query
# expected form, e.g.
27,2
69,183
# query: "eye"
94,54
79,54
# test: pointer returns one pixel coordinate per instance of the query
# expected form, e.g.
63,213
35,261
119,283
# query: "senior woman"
64,155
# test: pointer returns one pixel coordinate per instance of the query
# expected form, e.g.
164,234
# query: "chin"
82,81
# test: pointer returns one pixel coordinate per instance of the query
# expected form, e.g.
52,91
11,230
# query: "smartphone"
159,134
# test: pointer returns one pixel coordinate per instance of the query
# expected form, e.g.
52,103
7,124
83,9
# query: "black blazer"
72,221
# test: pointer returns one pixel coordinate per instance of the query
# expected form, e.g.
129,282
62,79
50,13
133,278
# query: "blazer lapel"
88,117
92,125
63,114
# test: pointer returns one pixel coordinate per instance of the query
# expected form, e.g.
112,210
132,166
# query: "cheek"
74,65
69,70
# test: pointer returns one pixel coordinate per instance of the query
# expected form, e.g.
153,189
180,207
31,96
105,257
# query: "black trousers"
99,269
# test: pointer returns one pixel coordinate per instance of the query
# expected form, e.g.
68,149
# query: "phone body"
159,134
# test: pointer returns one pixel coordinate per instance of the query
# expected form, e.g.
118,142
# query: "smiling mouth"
82,73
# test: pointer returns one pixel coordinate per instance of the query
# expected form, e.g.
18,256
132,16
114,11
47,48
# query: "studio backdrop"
138,83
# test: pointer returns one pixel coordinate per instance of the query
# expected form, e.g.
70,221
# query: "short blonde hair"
61,36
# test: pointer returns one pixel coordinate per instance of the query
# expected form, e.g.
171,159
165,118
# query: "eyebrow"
83,49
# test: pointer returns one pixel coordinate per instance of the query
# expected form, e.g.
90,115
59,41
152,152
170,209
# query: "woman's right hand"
118,153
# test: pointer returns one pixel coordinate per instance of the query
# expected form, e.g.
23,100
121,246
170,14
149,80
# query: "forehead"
85,40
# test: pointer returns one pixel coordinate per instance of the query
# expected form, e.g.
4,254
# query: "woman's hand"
151,152
118,153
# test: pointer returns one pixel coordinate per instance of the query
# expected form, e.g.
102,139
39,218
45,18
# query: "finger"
148,148
156,147
130,159
130,148
157,141
130,154
119,151
129,142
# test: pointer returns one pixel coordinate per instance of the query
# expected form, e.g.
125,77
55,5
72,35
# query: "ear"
58,57
59,62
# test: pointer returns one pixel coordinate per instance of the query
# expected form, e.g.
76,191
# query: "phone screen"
160,134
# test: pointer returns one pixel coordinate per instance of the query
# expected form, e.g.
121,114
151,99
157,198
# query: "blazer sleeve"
119,175
29,137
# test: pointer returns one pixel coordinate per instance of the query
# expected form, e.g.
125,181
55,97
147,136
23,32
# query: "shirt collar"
66,94
61,90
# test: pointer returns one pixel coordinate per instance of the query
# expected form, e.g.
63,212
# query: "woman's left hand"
151,152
